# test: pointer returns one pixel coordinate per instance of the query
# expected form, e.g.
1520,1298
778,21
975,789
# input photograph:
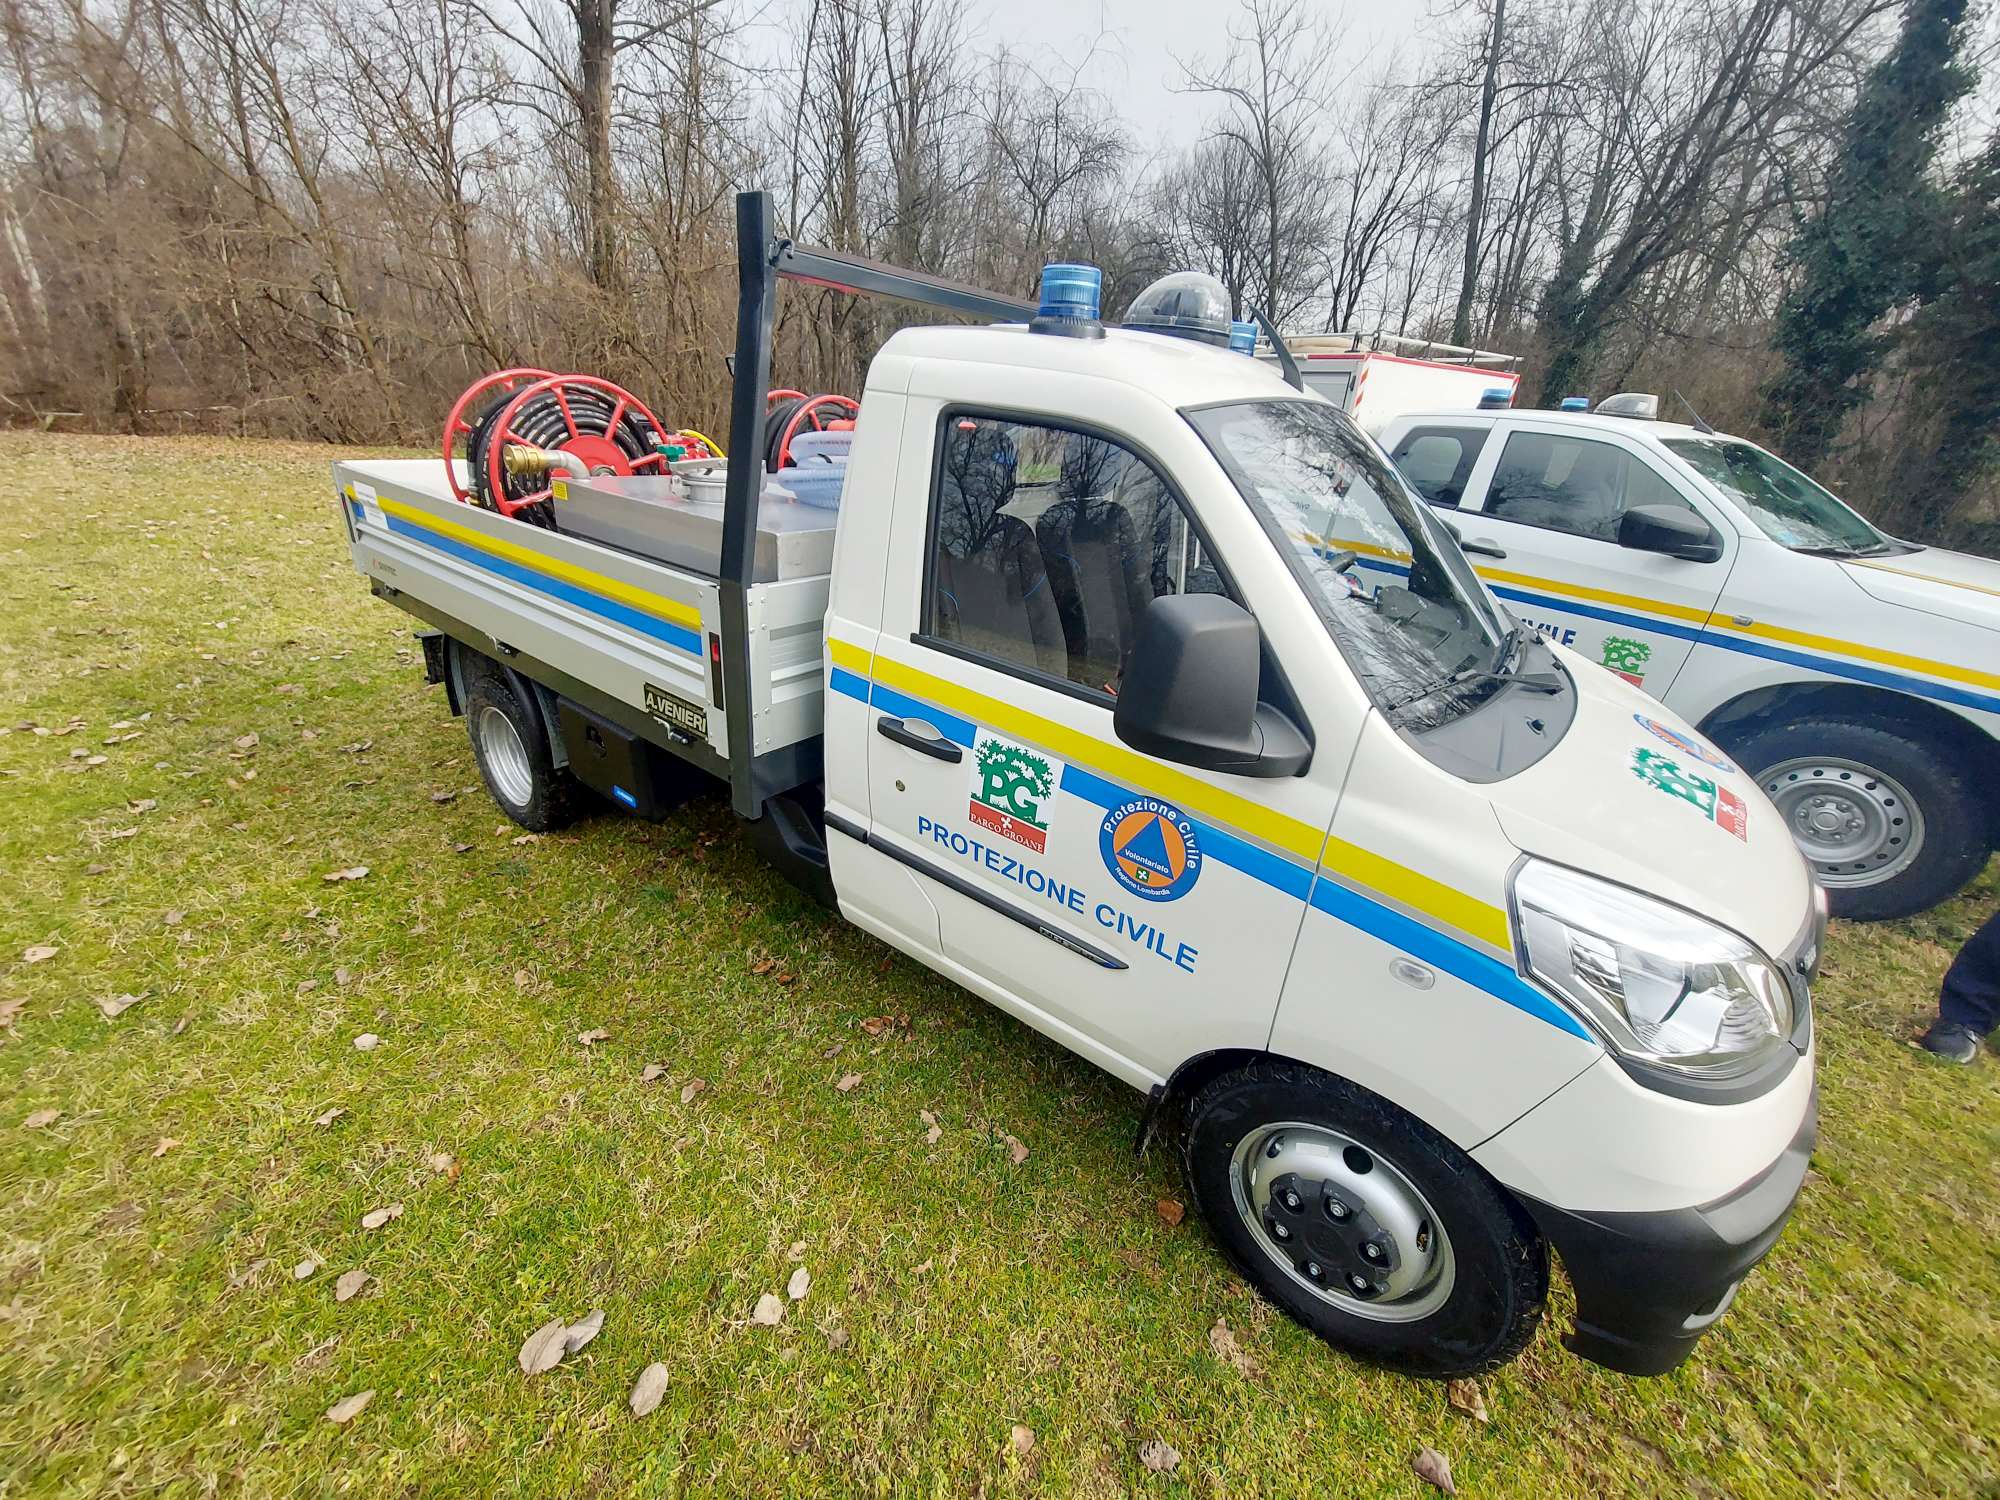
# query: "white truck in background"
1377,377
1855,676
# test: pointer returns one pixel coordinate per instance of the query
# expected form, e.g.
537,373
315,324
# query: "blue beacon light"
1575,403
1069,302
1242,337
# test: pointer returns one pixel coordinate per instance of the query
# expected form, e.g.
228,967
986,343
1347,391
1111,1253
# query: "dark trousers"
1970,995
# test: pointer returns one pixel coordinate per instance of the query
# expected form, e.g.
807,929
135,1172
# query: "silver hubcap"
505,757
1855,825
1342,1221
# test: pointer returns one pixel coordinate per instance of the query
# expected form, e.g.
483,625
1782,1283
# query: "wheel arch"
1904,713
537,699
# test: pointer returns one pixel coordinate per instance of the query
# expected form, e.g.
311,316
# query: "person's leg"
1970,995
1969,998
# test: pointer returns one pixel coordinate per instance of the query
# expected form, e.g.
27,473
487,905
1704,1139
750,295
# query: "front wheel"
1890,824
1363,1223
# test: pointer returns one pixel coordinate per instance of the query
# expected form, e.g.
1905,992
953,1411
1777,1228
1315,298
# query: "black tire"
1500,1269
530,790
1955,828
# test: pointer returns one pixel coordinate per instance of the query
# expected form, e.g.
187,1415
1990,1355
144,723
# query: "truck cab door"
1551,498
1138,911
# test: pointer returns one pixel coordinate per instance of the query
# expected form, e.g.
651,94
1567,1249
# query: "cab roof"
1179,372
1589,421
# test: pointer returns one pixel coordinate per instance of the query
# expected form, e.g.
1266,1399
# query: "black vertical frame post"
756,277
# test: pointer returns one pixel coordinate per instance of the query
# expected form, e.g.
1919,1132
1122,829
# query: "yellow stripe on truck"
670,610
1331,856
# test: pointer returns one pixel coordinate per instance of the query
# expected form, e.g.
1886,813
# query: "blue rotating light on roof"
1242,337
1575,403
1496,398
1070,295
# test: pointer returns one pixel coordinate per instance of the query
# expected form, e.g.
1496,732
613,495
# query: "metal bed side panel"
615,622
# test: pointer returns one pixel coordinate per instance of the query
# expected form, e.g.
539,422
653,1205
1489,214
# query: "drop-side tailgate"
635,630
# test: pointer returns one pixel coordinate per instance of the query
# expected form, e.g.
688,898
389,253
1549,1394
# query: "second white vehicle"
1855,676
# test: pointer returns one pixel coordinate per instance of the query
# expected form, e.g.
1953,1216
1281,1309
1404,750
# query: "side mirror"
1670,530
1189,693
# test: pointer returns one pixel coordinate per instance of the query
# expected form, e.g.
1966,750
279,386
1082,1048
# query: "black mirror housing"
1669,530
1189,692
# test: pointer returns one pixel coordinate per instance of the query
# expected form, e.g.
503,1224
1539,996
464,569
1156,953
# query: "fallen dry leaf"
1016,1150
444,1163
444,796
1160,1457
652,1072
1433,1467
797,1287
848,1082
1464,1395
592,1038
836,1338
1222,1339
694,1086
935,1132
375,1218
1021,1440
648,1390
763,966
174,918
527,838
167,1143
349,1409
116,1005
304,1269
97,869
246,742
367,1042
544,1348
350,1284
582,1333
769,1311
329,1117
142,804
343,977
39,953
353,872
41,1119
1172,1210
250,1272
10,1009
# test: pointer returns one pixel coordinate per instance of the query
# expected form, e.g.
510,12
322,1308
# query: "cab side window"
1438,460
1047,544
1573,484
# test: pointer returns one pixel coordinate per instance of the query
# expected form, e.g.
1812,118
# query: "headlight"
1662,986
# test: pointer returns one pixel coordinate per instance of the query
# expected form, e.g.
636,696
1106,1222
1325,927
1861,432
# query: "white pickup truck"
1857,677
1076,700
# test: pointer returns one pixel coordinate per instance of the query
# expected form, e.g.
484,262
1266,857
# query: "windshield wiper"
1534,682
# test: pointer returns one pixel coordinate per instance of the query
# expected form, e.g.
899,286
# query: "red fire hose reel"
505,421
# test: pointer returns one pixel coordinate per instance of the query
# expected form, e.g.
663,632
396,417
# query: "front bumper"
1648,1285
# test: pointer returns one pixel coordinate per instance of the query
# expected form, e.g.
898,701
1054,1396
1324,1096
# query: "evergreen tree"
1864,251
1952,350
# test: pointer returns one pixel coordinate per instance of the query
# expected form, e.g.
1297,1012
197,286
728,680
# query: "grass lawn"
154,1337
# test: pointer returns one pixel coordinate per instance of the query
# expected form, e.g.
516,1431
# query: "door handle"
1481,547
920,737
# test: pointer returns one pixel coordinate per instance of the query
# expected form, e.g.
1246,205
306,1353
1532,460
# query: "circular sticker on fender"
1687,744
1149,846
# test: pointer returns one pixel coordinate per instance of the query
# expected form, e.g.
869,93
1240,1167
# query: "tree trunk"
596,45
1468,282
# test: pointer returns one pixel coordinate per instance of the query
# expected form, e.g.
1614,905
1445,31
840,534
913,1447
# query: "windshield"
1787,507
1391,586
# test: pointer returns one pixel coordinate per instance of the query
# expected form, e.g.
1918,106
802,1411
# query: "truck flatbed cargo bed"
631,637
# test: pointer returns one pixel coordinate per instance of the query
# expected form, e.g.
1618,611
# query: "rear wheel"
513,751
1890,824
1363,1223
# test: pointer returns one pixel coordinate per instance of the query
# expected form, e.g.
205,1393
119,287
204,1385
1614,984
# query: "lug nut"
1359,1283
1279,1231
1373,1252
1335,1207
1293,1201
1313,1271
